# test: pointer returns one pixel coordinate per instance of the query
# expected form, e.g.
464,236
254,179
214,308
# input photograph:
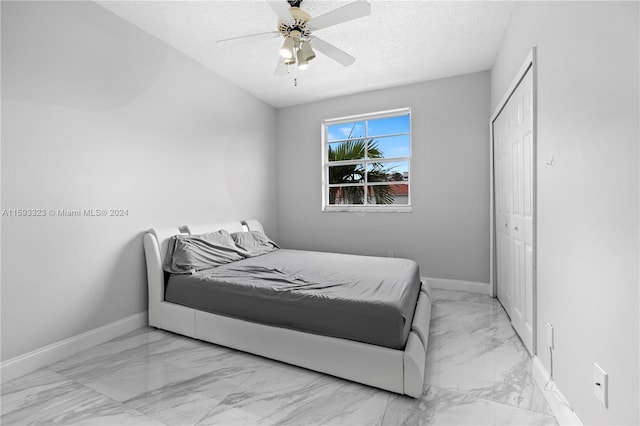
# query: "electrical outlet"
550,335
600,384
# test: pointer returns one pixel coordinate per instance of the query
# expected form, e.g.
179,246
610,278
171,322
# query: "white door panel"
514,209
502,171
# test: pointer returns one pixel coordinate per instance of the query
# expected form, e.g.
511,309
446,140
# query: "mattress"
361,298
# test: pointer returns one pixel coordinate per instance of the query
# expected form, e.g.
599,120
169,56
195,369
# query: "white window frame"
326,207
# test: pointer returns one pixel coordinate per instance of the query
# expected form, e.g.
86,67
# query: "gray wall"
447,233
97,114
588,116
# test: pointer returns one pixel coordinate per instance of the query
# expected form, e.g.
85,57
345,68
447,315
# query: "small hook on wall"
550,162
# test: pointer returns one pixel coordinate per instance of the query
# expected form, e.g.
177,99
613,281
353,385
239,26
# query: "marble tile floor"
478,372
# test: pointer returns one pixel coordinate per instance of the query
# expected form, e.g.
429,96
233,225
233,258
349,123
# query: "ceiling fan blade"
338,55
281,8
248,38
281,68
345,13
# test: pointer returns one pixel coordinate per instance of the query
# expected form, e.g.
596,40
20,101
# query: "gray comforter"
367,299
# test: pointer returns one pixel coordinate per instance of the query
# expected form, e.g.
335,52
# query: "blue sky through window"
345,131
388,126
395,146
378,127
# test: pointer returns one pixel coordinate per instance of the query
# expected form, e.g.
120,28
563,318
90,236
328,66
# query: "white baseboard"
457,285
557,402
23,364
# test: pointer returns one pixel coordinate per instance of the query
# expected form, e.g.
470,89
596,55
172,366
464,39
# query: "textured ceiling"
400,42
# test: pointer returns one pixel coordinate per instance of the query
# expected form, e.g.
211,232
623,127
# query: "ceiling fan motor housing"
299,22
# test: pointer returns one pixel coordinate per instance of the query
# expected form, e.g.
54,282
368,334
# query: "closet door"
513,180
502,191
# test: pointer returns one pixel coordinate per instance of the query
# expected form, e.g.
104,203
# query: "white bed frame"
400,371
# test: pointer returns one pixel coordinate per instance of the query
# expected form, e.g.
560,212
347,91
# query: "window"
366,162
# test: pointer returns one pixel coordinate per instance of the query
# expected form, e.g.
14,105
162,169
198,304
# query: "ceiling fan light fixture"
286,51
307,51
302,62
295,35
297,26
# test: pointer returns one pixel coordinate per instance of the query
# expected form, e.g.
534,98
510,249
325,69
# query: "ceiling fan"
296,27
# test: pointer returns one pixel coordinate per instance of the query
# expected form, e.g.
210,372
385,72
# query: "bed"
362,336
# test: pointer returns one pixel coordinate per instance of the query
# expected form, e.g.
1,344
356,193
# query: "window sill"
343,209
